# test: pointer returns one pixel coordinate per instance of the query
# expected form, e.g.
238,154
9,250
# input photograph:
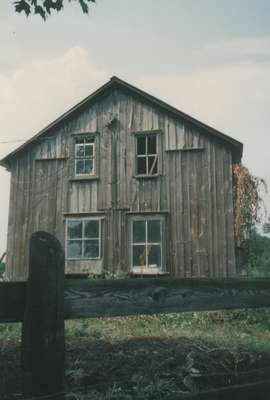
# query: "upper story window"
85,159
146,154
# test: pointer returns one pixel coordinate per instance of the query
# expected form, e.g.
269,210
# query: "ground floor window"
83,238
147,243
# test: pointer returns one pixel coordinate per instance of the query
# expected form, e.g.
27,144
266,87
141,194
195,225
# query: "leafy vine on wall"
247,201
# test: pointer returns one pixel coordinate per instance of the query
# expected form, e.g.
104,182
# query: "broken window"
83,238
85,156
146,243
147,155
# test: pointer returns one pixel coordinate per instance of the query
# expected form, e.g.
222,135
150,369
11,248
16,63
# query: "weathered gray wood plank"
97,298
43,338
87,298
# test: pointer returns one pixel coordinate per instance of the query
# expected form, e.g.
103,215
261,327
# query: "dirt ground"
171,365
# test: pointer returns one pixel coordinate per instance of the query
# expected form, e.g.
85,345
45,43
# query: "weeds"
144,356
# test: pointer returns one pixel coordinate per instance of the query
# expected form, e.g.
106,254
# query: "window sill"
84,178
147,176
51,159
83,259
153,212
148,271
185,149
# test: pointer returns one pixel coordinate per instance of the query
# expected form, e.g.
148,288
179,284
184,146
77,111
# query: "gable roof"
102,91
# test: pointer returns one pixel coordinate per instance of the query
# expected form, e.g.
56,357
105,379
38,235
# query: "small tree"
254,257
45,7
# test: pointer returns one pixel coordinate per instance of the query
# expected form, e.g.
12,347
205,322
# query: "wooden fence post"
43,337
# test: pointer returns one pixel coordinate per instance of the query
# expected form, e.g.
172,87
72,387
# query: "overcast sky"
209,58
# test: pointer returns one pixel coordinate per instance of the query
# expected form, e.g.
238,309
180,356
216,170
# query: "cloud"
257,49
40,91
233,98
34,95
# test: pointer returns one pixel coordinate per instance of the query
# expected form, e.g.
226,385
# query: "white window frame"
147,268
146,155
83,238
83,158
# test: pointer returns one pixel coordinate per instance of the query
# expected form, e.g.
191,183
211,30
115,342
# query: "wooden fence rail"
47,299
85,298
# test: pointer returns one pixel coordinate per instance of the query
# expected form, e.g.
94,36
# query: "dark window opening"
85,156
147,155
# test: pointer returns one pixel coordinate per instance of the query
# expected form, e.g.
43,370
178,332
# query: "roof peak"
238,146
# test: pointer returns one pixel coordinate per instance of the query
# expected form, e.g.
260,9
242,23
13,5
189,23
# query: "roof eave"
235,143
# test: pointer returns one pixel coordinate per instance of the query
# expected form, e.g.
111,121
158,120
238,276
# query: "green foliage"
119,274
151,387
45,7
266,227
10,331
256,255
112,124
82,328
248,201
114,393
2,267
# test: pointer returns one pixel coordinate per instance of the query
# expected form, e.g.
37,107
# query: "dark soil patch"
10,371
186,365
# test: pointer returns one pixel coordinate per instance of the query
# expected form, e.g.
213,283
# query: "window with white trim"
85,158
147,243
146,154
83,238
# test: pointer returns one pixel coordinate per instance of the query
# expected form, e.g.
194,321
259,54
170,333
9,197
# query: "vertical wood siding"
194,187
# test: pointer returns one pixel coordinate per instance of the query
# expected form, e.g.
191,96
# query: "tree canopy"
45,7
255,256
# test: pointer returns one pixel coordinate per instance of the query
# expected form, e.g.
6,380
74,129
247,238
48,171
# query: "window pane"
139,231
74,229
141,165
154,255
154,227
141,145
152,144
74,249
79,150
89,150
139,253
152,165
79,166
91,229
91,248
88,166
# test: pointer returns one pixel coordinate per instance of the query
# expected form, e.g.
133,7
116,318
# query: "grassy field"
152,357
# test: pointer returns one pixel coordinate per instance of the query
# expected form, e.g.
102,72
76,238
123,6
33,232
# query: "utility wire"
12,141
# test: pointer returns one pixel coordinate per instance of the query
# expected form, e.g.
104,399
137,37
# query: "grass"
248,328
150,357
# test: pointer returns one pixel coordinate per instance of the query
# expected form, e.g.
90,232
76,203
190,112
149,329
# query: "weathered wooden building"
126,182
